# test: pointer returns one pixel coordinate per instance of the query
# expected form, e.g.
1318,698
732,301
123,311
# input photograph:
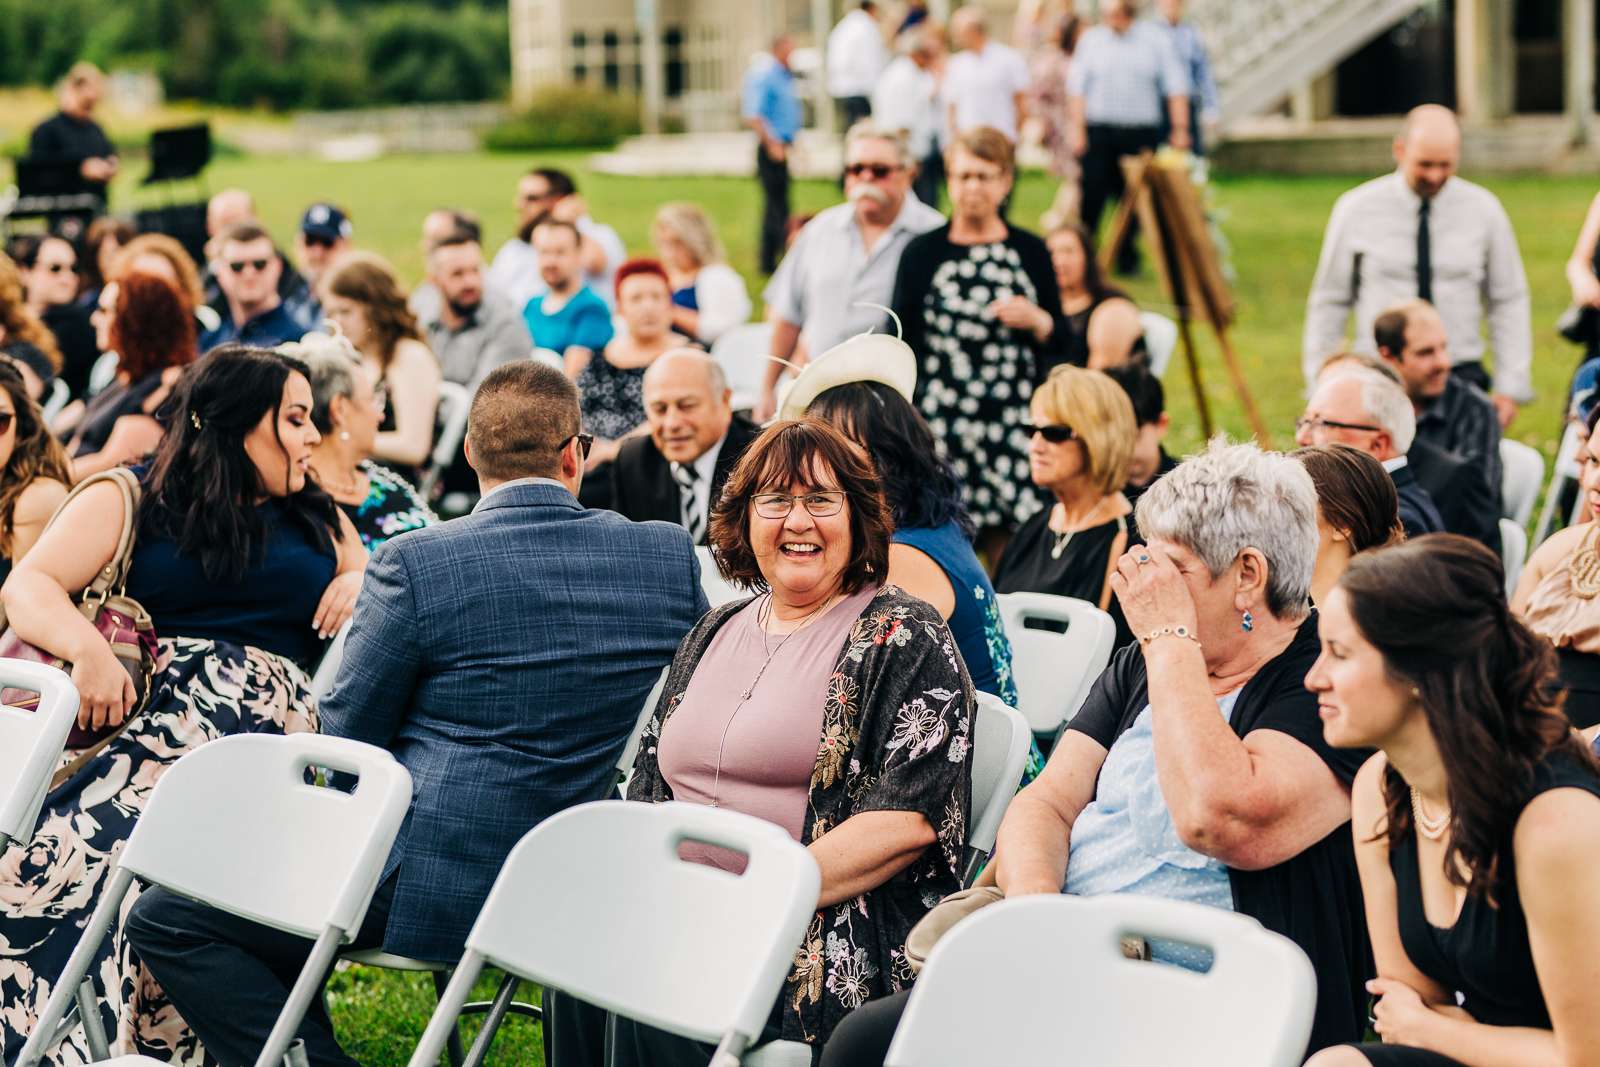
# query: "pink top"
768,743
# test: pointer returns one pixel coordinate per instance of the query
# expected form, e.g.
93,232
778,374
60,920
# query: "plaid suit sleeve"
382,655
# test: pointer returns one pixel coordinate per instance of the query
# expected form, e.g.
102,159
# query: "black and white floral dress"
975,375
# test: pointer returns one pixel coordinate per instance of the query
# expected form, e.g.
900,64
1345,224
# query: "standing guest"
245,566
570,319
469,333
1079,450
1583,275
547,193
906,100
1452,413
1477,824
503,658
1103,327
347,411
677,471
1396,228
34,472
150,326
323,238
985,82
103,241
709,297
71,135
248,268
847,258
858,746
979,303
363,298
1125,90
222,211
49,267
769,105
1150,458
1189,45
1049,65
24,338
855,58
1357,509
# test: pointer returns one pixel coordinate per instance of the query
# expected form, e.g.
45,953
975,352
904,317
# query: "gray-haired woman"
1197,770
347,410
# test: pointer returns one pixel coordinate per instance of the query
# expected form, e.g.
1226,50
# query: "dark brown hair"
1389,329
1355,495
803,451
1094,280
522,415
152,326
1435,607
371,282
35,454
102,229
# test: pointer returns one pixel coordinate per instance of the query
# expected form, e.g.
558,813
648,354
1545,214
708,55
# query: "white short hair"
867,129
1385,402
1233,497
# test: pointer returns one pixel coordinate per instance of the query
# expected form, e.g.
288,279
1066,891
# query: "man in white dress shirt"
984,82
547,193
856,56
1424,233
906,98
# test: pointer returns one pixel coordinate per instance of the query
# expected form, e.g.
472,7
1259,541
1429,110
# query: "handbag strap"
1119,545
112,578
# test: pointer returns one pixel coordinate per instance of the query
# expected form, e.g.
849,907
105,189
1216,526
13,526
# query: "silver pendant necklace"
1065,539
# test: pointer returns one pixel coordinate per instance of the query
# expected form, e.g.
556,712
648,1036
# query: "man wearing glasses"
247,268
847,256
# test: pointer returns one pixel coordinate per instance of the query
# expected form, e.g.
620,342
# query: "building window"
612,71
672,60
580,68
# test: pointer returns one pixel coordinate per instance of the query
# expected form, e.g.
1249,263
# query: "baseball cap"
325,220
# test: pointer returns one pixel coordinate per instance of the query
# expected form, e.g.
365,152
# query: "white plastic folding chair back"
1521,478
630,750
328,666
59,395
235,825
550,358
677,945
1054,671
454,404
742,353
31,743
1000,739
995,990
1513,552
718,589
1566,470
102,371
1160,339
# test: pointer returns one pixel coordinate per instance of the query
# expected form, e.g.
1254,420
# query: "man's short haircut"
454,239
1358,361
985,142
1389,328
558,224
521,417
869,129
82,73
462,220
244,231
1144,391
559,181
1388,406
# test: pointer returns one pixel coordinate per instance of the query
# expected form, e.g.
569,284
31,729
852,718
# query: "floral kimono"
896,736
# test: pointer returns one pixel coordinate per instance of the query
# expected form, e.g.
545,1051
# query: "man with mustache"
848,255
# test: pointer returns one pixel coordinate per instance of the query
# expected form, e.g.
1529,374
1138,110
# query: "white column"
645,16
821,24
1578,42
1485,59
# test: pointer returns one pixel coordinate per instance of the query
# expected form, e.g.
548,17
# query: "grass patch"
379,1016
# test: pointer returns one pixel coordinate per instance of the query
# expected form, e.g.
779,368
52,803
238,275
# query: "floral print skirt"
49,886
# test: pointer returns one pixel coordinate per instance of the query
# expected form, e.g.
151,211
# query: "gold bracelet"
1169,631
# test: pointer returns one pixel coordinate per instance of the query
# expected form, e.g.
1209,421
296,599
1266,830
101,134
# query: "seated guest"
248,268
150,326
1102,323
676,472
24,338
34,473
324,238
222,211
164,257
436,226
347,411
363,297
818,741
611,382
546,193
863,389
708,297
1556,593
469,333
1357,509
1150,459
503,658
1452,414
1080,446
569,319
1477,824
49,268
103,242
244,566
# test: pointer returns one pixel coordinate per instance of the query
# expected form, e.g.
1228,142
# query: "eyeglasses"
817,505
1316,424
585,442
975,176
879,171
1056,435
258,264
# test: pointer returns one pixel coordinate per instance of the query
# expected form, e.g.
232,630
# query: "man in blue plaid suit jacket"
503,658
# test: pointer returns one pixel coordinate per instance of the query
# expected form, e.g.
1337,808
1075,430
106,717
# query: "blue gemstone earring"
1248,622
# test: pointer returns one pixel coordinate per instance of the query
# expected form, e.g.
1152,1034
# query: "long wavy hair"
19,323
35,454
371,282
203,485
1435,607
1094,281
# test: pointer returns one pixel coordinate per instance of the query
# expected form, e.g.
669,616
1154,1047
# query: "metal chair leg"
491,1023
441,980
94,1034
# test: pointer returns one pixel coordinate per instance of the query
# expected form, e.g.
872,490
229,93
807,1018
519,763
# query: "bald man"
696,439
1423,233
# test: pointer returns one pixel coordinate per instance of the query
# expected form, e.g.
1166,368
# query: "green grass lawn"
379,1016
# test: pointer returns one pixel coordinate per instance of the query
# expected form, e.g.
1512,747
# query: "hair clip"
194,417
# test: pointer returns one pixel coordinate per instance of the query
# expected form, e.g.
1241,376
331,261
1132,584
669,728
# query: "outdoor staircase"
1263,49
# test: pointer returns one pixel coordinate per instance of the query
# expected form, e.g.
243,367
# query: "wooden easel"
1174,226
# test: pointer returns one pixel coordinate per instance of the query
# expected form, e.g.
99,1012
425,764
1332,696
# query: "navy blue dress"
975,624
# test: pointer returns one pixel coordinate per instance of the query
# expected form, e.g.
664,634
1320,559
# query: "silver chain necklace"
1065,539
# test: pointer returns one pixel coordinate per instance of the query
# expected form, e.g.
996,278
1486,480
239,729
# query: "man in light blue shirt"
1189,45
769,105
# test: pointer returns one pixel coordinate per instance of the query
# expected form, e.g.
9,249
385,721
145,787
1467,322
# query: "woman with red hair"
149,323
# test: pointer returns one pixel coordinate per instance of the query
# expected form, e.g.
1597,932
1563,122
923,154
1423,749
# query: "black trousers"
1102,174
774,177
929,178
576,1034
1473,372
852,109
229,977
862,1038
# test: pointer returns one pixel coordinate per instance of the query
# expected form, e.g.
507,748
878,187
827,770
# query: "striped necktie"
686,477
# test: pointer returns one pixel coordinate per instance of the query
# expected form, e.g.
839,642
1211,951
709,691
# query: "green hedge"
568,116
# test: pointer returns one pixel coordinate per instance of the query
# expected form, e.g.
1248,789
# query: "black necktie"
1424,256
686,477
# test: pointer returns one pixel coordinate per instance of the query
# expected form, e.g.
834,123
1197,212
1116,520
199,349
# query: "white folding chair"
1054,670
454,404
1160,339
328,666
718,589
1513,553
610,870
234,824
1566,470
1521,477
31,743
742,352
1000,739
59,395
1021,980
102,372
550,358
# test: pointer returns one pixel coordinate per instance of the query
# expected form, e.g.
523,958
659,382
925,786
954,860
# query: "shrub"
417,54
568,116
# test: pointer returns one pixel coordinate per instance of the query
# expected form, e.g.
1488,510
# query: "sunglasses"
585,442
1056,435
258,264
315,240
57,268
879,171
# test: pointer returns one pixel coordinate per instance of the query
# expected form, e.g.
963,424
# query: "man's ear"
1390,355
1382,442
1163,424
466,450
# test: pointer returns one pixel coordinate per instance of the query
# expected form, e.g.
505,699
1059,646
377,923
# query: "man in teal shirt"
570,319
770,106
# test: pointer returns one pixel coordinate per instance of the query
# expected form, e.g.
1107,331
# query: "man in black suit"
696,439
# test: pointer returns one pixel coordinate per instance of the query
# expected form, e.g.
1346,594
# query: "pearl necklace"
1432,829
1065,539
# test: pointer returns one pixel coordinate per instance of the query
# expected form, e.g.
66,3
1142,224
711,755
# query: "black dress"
74,335
109,405
1079,572
1075,346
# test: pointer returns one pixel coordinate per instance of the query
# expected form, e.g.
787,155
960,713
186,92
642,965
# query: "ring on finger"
1143,558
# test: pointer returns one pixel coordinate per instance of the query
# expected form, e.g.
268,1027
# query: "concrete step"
814,154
